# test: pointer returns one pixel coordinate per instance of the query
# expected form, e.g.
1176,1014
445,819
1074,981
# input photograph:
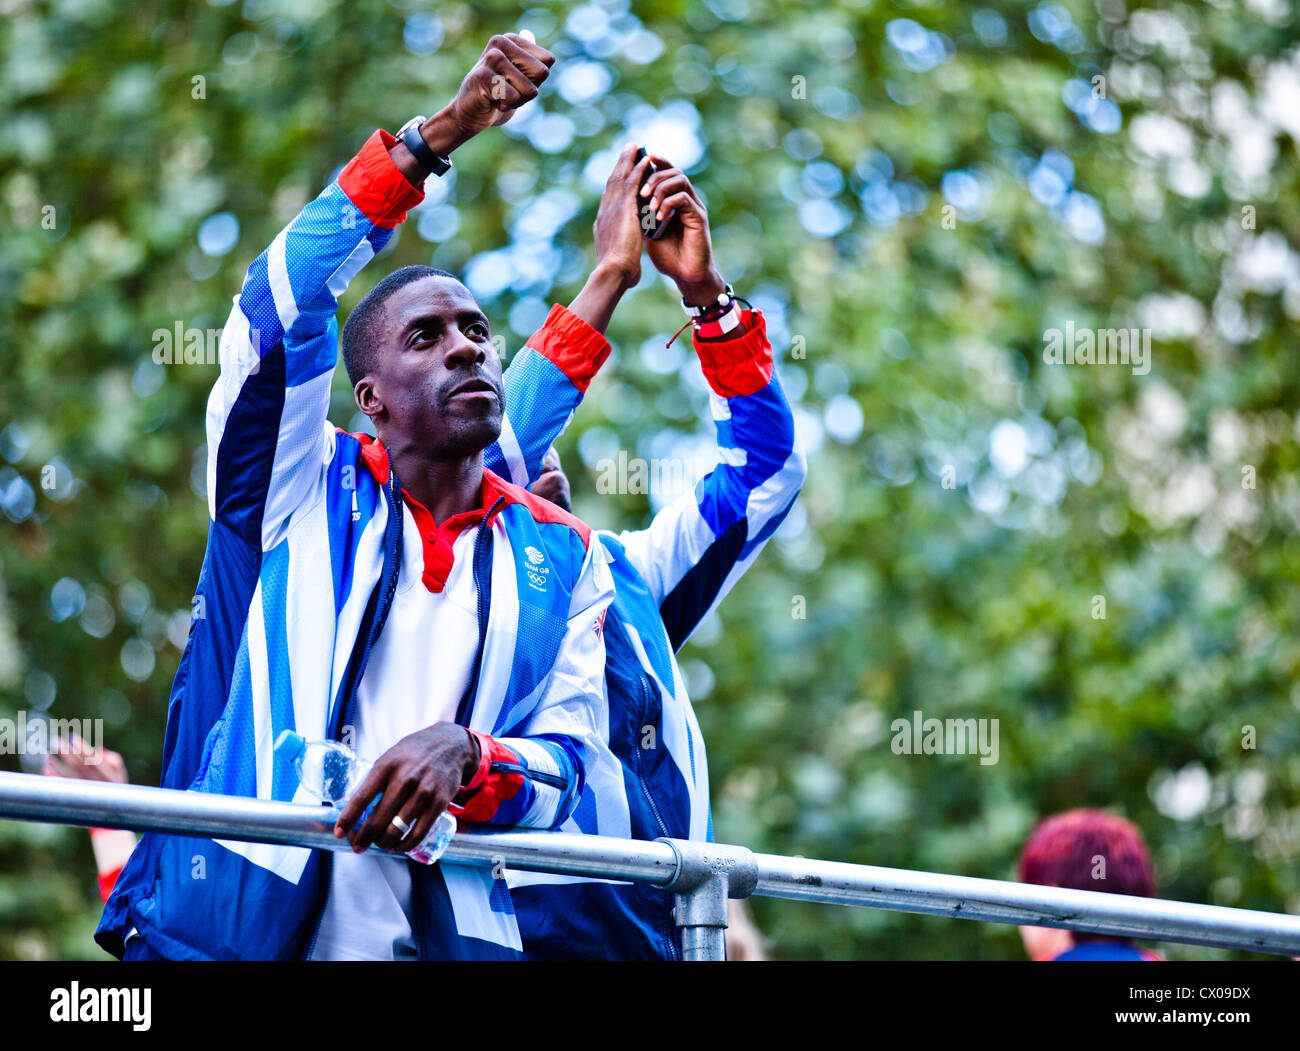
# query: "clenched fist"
507,75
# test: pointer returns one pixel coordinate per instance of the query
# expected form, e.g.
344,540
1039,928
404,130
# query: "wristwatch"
432,163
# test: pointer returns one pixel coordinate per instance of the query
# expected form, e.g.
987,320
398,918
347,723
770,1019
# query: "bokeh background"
913,193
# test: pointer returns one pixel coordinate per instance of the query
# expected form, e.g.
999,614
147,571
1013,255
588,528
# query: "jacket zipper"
640,760
554,780
645,687
483,603
349,710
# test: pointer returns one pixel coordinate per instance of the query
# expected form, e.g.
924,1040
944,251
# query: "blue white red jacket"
667,578
302,559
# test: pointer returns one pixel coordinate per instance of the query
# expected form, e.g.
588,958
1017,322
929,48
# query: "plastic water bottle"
331,772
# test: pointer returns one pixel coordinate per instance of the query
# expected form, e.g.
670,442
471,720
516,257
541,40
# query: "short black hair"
359,339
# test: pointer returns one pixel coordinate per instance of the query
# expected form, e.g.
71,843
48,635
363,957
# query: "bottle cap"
289,745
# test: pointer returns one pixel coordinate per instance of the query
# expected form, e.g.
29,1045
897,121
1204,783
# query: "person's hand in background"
617,229
72,757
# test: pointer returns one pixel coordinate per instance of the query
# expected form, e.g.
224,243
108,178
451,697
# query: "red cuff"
484,759
740,362
573,345
376,185
486,790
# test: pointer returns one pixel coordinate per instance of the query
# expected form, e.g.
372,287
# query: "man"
1086,849
390,593
668,577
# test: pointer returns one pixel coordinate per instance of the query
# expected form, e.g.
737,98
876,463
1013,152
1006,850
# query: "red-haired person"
1086,849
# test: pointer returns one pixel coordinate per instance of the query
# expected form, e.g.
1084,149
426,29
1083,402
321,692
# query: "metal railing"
701,875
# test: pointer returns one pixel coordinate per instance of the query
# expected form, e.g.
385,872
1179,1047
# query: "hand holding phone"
650,227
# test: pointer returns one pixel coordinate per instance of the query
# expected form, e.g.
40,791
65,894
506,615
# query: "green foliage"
829,137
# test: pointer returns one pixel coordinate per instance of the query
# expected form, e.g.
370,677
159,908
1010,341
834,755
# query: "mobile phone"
649,227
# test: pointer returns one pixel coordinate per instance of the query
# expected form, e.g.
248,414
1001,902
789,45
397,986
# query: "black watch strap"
425,157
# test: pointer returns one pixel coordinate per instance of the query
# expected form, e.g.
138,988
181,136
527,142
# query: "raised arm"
268,439
699,546
548,377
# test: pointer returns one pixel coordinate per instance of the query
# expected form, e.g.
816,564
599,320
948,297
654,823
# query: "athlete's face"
436,381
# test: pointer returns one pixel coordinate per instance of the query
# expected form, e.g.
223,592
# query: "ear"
367,398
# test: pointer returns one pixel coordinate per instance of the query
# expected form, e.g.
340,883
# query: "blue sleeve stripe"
763,425
275,572
258,305
220,769
726,434
567,766
225,588
540,399
314,246
319,241
540,804
513,810
722,496
313,356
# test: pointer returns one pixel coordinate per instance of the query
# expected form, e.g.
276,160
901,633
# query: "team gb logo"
536,573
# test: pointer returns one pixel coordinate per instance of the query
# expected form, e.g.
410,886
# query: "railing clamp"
707,874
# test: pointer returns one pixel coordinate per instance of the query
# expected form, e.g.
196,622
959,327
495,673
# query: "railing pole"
139,808
701,915
702,875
